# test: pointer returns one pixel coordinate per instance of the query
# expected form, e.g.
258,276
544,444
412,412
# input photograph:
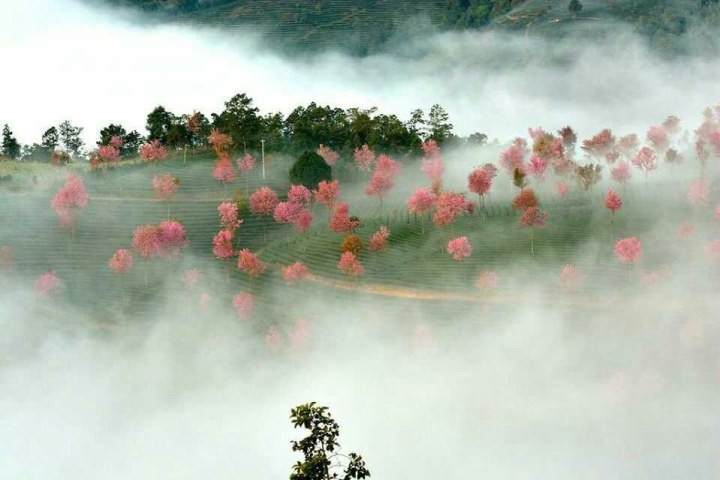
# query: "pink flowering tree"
153,152
244,304
69,198
628,250
698,193
250,264
220,142
658,138
421,202
350,265
223,245
246,164
645,160
613,202
379,240
340,221
173,238
599,144
293,274
262,203
47,284
432,164
121,263
224,172
513,158
165,187
533,218
327,154
562,189
383,178
299,194
536,167
327,193
364,158
621,173
303,221
448,207
480,181
229,220
459,248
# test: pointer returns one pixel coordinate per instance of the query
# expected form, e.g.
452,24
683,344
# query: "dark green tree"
50,139
440,129
10,146
309,170
308,127
322,461
272,131
575,6
130,141
390,134
70,138
240,120
159,123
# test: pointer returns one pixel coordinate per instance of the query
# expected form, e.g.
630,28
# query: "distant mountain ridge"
362,27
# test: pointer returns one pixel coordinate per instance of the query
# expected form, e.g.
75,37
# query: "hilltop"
367,26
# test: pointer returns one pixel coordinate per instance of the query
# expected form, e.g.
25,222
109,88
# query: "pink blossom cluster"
250,263
480,180
621,173
422,200
153,151
459,248
223,245
613,202
244,304
165,239
263,201
327,193
450,206
533,217
350,265
628,250
340,220
364,158
165,186
47,284
378,240
228,212
224,172
383,178
121,261
294,273
327,154
246,163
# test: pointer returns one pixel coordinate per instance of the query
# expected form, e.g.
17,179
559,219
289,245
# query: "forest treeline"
304,128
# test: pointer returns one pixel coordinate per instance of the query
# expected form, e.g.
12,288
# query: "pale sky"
70,62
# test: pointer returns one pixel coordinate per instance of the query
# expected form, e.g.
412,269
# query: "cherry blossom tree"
122,261
525,199
562,189
340,221
47,284
420,202
613,202
173,238
658,138
250,263
449,207
621,173
303,221
698,192
165,187
292,274
327,154
513,158
263,203
378,240
153,152
536,167
350,265
246,164
223,245
645,160
364,158
459,248
432,164
628,250
244,304
534,218
228,212
69,198
599,144
480,181
383,178
220,141
223,171
299,194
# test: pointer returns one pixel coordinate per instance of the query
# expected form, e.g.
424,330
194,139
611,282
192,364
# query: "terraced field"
578,231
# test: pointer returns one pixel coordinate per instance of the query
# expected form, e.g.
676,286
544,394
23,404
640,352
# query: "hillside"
367,26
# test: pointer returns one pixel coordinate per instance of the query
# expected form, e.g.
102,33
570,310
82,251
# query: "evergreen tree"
440,127
70,138
10,146
575,6
50,139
